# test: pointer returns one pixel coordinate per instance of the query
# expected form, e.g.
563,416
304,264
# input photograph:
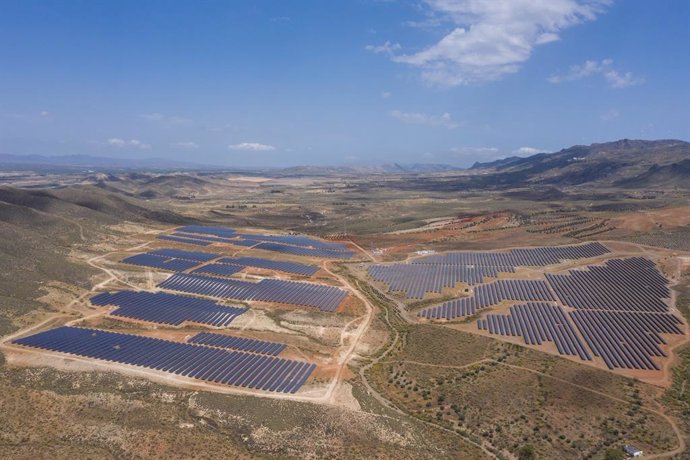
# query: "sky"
280,83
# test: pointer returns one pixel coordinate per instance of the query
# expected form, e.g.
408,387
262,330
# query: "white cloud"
165,119
622,80
252,146
547,37
415,118
493,38
609,115
124,143
527,151
44,114
386,94
387,48
613,77
186,145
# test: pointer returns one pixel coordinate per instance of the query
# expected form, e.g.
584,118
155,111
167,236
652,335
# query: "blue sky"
274,83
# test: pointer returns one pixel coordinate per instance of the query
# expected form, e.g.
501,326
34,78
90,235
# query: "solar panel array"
296,240
416,280
489,294
290,244
537,322
186,255
278,265
156,261
435,272
626,339
525,257
216,231
620,284
620,312
304,251
164,308
211,364
219,269
184,239
237,343
326,298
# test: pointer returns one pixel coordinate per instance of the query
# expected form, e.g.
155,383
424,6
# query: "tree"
526,452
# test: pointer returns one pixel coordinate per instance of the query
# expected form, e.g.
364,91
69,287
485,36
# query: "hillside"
40,229
624,163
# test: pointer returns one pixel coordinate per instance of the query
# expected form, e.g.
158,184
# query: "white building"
632,451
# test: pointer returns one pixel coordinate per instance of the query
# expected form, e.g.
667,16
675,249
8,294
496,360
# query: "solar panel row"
489,294
237,343
621,284
217,231
278,265
326,298
183,239
537,322
227,367
417,280
433,273
296,240
219,269
291,244
209,238
626,339
304,251
164,308
186,255
162,262
526,257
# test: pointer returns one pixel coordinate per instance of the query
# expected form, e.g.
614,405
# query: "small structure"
632,451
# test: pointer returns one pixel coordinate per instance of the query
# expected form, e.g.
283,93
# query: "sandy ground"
643,221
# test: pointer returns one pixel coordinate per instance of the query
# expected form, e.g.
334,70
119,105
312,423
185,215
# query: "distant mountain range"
624,163
388,168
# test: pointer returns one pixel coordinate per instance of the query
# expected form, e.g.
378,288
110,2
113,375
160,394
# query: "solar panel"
237,343
289,244
436,272
171,309
187,255
219,269
626,339
537,322
620,284
490,294
157,261
211,364
326,298
278,265
183,239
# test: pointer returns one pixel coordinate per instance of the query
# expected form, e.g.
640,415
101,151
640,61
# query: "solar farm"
582,302
300,245
200,321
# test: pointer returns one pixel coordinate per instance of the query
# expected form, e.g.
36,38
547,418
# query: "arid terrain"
387,382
